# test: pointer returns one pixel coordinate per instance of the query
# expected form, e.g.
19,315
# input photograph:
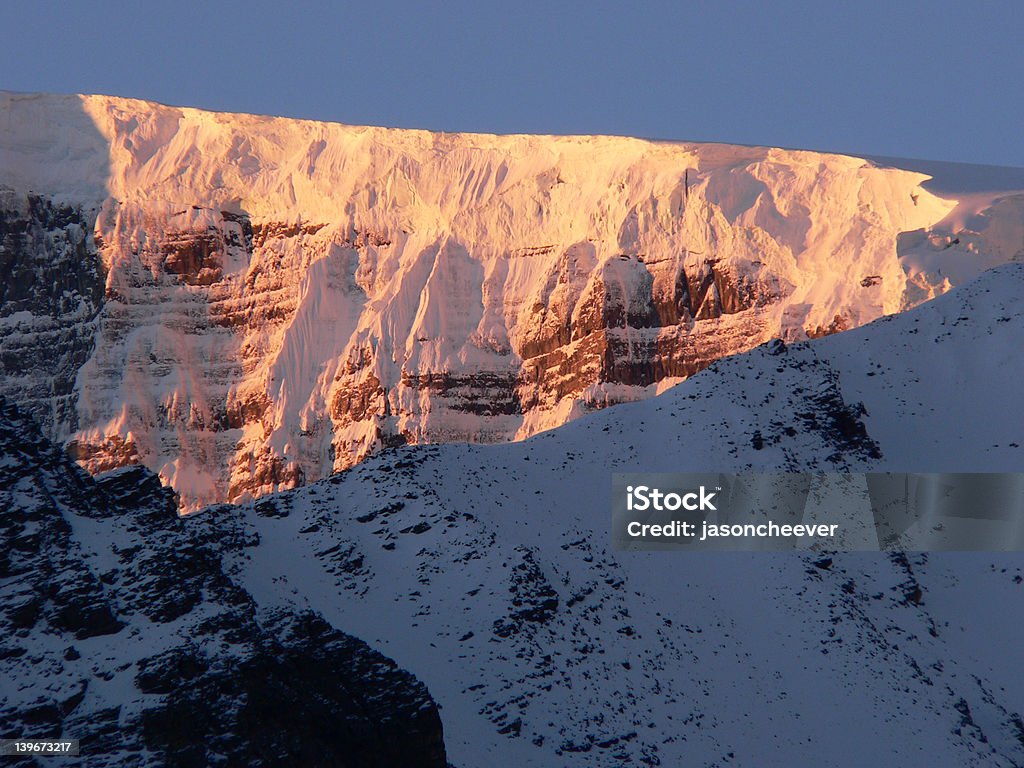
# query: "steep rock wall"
280,298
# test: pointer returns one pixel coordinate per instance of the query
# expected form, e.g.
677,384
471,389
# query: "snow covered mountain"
486,572
244,304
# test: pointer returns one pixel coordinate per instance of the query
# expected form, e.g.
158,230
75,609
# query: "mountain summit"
245,304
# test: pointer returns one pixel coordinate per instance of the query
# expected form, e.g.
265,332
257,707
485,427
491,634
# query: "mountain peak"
245,304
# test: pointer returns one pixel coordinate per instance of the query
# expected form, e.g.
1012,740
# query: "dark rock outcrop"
122,628
51,290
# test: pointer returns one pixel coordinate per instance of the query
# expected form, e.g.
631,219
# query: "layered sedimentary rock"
248,303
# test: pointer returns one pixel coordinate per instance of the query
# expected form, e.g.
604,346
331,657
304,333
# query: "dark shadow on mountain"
51,277
121,627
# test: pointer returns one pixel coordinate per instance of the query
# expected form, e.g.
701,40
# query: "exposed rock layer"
245,304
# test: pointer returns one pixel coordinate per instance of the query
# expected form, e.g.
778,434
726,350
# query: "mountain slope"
487,571
244,304
121,627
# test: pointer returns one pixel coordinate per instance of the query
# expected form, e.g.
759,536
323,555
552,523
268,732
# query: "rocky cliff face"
122,628
484,572
51,290
245,304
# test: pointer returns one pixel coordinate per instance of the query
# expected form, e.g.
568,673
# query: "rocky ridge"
123,627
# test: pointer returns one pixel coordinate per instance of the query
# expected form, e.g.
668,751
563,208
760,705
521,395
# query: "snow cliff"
245,304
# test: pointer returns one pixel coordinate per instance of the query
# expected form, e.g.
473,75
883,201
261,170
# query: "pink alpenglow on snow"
246,304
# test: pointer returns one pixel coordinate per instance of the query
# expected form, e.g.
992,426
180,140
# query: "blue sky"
940,80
